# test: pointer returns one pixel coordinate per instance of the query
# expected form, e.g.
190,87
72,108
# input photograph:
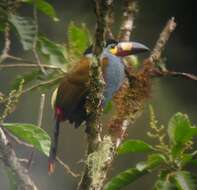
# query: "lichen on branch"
95,98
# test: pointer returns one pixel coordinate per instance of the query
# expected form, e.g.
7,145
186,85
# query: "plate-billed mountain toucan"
74,88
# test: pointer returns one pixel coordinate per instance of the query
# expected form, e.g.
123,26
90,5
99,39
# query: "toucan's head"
121,49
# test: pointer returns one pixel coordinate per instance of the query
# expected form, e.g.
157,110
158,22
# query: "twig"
35,41
39,123
156,55
27,65
35,86
67,168
41,110
160,73
6,48
17,173
130,10
161,42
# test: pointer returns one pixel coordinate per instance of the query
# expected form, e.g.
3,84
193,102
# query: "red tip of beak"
51,168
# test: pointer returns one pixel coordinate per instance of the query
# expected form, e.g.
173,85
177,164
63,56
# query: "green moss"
97,160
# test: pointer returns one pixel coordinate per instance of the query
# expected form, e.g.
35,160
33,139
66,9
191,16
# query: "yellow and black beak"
128,48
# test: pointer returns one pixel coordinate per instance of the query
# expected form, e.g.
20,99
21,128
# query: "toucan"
74,88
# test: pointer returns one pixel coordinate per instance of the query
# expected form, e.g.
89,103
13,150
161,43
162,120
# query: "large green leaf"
131,146
180,129
78,39
128,176
185,180
44,7
25,28
31,134
54,53
124,178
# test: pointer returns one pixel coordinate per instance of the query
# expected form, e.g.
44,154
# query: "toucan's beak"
129,48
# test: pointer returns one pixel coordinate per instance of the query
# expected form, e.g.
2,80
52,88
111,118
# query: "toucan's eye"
113,46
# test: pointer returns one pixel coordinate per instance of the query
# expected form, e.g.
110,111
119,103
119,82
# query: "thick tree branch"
95,98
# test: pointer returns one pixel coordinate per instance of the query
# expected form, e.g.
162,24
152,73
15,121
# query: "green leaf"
124,178
164,185
26,30
131,146
31,134
128,176
153,161
185,180
44,7
180,129
78,39
54,53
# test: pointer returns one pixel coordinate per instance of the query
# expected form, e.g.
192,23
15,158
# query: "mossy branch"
94,100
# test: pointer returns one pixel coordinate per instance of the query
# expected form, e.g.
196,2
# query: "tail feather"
53,149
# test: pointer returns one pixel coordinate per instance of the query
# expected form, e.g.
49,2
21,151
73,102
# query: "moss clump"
97,160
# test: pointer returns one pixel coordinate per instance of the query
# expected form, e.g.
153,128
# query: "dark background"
169,95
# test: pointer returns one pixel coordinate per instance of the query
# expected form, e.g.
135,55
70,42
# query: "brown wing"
73,85
72,92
